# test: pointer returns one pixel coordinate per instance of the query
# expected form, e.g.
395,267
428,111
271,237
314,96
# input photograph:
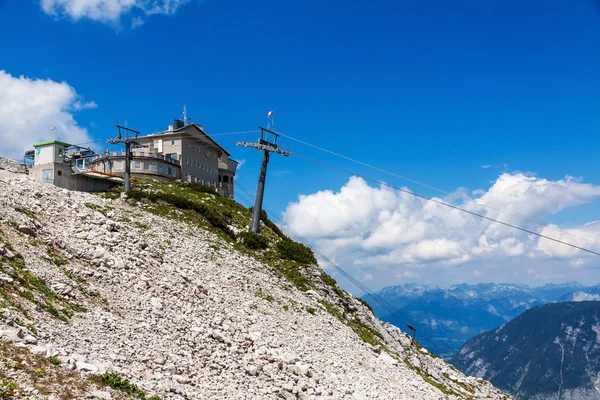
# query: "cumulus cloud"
30,107
378,227
110,11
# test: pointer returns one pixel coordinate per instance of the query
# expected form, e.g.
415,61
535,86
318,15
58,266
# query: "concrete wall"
62,176
198,157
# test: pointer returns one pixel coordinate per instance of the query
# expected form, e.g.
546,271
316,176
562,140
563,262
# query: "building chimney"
177,124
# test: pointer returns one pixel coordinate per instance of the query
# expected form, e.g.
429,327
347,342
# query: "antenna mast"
266,147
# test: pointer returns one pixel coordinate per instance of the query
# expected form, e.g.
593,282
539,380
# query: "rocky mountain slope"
452,315
548,352
156,296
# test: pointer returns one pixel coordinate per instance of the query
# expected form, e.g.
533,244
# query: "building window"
59,172
186,174
160,168
172,143
137,164
187,144
186,160
194,147
47,175
173,172
154,167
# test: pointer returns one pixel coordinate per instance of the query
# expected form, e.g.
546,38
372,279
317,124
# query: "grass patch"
214,217
311,310
7,389
54,361
56,259
364,303
32,288
98,208
116,382
366,333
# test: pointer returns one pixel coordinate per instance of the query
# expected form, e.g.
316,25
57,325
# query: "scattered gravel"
182,314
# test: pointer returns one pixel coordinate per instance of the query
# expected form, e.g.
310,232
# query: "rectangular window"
154,167
160,169
186,160
47,175
187,144
194,147
172,143
173,172
137,164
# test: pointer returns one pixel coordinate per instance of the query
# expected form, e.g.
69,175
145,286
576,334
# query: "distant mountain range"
548,352
446,317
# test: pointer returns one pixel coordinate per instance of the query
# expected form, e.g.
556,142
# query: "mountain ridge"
448,316
550,351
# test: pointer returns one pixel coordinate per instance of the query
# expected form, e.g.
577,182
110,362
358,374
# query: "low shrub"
254,241
212,216
290,250
116,382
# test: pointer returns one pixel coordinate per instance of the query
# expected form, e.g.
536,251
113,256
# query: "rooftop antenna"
52,131
184,115
266,147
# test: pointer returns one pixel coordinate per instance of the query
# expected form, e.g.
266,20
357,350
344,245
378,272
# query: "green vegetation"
364,303
254,241
271,225
7,388
116,382
366,333
55,258
311,310
98,208
198,205
32,288
289,250
54,361
214,217
27,212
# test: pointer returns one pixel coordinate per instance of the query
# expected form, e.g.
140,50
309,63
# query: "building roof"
48,142
184,129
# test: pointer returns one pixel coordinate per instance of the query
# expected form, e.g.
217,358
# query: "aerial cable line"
393,311
289,231
432,188
209,134
449,205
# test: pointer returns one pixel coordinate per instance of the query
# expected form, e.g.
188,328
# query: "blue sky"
432,90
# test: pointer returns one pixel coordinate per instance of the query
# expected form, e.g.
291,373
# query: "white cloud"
486,166
110,11
476,273
30,107
377,227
